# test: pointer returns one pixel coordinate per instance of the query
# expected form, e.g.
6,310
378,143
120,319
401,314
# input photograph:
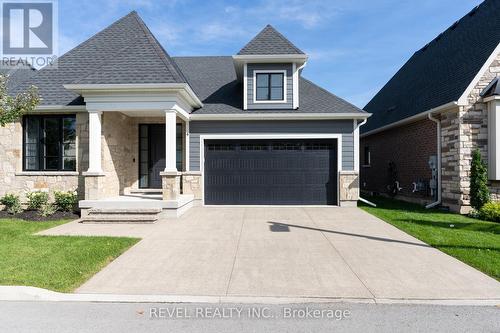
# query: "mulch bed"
34,216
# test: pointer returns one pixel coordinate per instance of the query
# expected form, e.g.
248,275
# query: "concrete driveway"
281,252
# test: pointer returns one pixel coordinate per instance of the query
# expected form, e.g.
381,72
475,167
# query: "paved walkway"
281,252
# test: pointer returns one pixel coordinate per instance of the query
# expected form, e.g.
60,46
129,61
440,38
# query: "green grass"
60,263
475,242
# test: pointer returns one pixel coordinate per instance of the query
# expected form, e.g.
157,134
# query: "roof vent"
391,108
492,89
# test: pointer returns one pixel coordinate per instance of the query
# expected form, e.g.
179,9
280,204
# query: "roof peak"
269,41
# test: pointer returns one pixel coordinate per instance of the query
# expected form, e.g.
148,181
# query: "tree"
12,108
479,193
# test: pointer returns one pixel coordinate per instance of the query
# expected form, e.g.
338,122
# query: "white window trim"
336,136
269,71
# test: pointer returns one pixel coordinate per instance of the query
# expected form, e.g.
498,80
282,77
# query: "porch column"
94,180
171,178
95,142
170,144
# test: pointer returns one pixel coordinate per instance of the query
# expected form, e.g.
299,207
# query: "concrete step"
120,218
124,211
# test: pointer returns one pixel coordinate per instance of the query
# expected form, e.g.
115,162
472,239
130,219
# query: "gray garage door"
262,172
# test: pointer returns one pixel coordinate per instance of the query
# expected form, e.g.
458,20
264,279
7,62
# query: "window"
178,147
269,86
367,156
49,143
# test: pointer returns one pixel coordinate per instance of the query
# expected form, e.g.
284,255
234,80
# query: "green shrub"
65,201
47,209
479,193
490,211
12,203
37,199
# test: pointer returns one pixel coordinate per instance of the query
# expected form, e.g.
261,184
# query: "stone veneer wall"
349,188
14,180
464,129
117,153
192,184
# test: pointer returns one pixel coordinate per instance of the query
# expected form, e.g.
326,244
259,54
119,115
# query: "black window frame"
270,87
41,143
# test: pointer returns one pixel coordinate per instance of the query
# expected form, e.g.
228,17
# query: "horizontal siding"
289,86
344,127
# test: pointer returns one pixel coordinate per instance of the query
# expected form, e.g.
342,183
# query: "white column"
95,142
186,145
170,137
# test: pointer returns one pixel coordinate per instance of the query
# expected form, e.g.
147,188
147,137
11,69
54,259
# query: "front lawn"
475,242
60,263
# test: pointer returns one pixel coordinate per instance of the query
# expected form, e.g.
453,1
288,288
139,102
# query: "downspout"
357,166
438,158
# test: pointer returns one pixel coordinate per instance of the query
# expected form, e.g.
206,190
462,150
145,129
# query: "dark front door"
260,172
156,154
152,155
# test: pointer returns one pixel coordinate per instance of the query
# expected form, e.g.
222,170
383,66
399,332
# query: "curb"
33,294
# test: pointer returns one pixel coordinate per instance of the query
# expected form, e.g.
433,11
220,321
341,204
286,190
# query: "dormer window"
269,87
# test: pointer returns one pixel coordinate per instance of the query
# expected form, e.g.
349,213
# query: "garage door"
279,172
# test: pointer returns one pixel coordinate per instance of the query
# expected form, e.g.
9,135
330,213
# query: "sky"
354,46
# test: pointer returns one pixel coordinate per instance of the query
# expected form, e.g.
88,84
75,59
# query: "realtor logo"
29,29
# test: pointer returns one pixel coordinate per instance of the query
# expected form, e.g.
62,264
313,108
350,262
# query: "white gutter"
292,115
356,157
438,158
418,116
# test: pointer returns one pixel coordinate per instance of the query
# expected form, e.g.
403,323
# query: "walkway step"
116,218
124,211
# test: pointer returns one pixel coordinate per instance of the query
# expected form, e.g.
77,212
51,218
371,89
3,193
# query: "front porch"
137,144
142,164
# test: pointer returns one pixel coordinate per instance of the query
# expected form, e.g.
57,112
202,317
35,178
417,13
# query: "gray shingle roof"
213,79
17,74
269,42
440,72
127,52
124,52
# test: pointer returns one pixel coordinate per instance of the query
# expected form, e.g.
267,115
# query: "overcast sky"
354,46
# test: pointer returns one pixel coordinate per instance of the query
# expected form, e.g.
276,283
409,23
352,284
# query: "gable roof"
124,52
269,42
441,71
214,81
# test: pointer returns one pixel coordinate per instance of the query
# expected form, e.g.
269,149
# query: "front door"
152,155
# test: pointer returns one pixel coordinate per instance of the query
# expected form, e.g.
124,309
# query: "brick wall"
410,147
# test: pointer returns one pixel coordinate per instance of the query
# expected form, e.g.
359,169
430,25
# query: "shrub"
37,199
479,193
47,209
65,201
12,203
490,211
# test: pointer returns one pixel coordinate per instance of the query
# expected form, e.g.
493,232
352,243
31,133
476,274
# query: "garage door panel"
271,172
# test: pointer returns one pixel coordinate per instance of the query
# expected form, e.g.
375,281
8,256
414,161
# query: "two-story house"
126,125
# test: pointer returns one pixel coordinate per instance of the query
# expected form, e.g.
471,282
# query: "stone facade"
14,180
192,184
349,188
465,129
171,185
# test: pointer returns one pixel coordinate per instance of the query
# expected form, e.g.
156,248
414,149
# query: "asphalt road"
134,317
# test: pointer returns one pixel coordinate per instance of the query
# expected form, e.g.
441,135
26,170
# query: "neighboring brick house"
443,102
